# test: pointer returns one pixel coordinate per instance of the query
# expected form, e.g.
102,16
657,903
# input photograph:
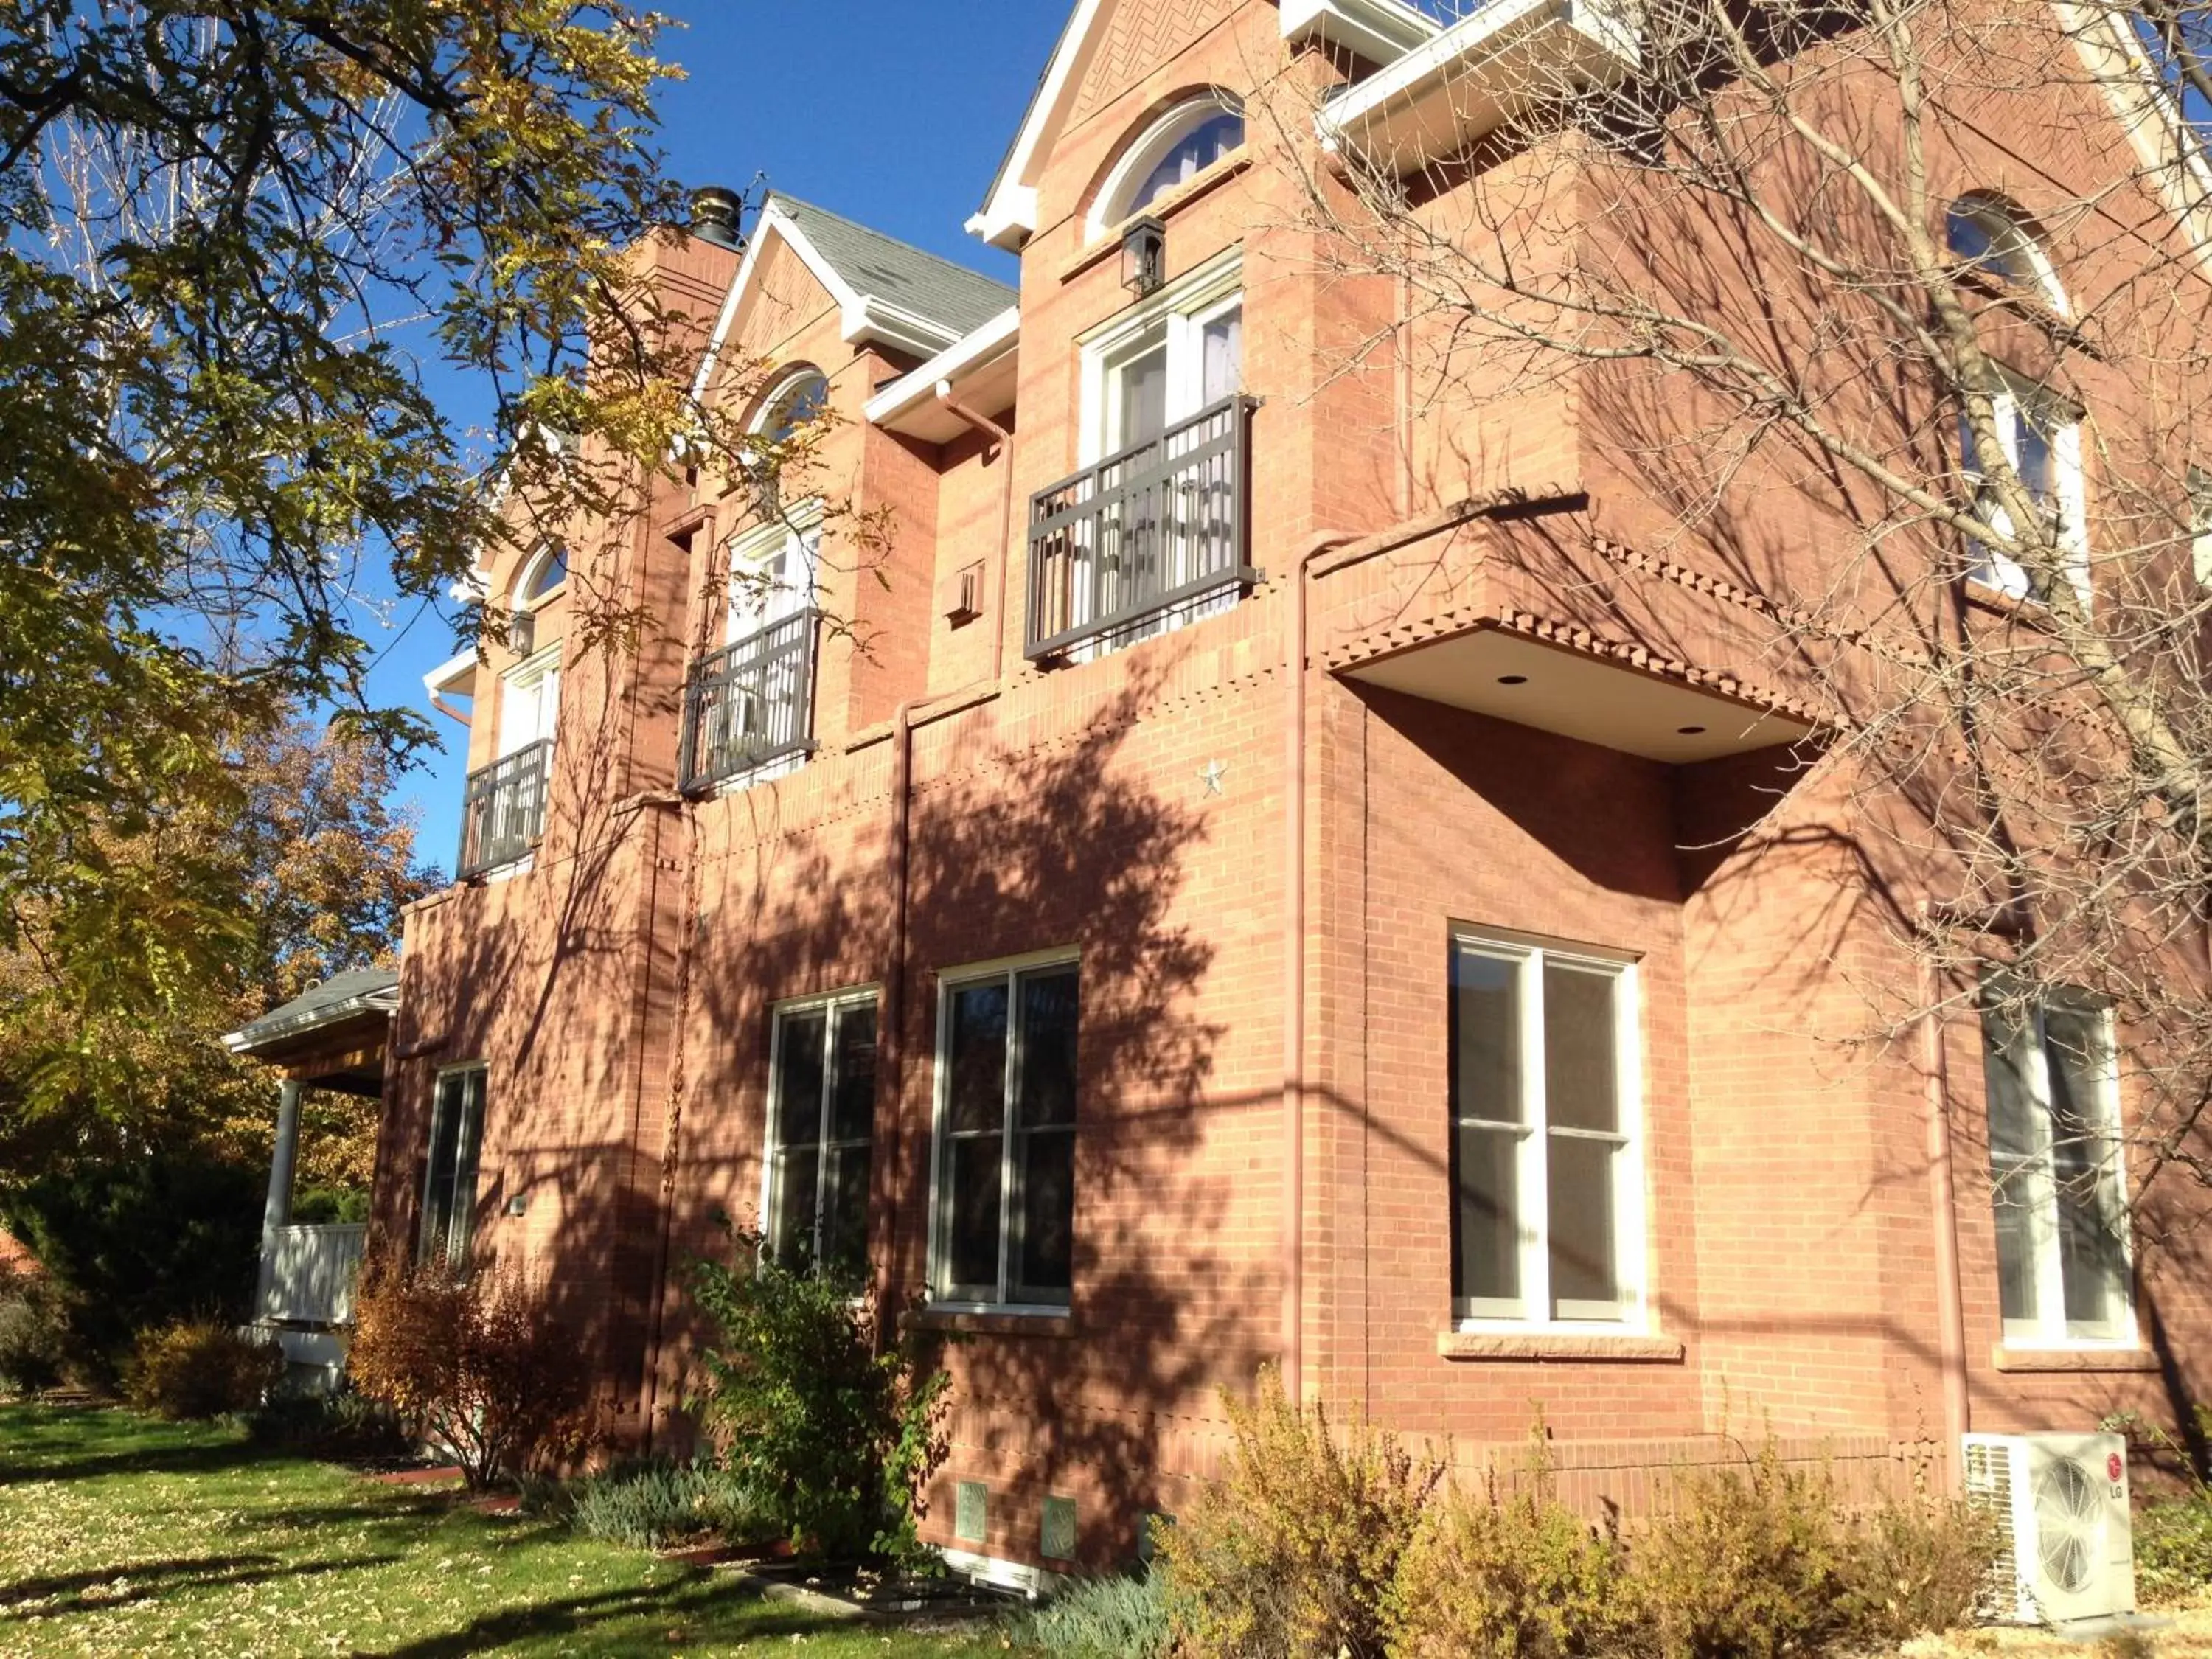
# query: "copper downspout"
1294,964
1942,1198
892,1048
1005,439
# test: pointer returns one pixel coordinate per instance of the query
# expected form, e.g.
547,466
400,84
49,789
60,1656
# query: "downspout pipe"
1943,1214
1294,963
892,1048
1005,439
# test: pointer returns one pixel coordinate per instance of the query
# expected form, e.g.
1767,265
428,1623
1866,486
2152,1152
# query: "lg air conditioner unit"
2060,1504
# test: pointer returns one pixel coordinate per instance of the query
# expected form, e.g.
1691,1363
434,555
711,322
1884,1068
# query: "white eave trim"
1009,214
870,321
385,1001
448,675
1381,31
1464,82
979,350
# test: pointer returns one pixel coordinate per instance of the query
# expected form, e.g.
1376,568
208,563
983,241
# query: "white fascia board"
1008,219
1381,31
870,321
773,222
1010,215
2145,107
1594,39
448,676
963,357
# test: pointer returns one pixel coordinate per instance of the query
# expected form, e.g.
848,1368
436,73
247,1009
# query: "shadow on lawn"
149,1579
23,1466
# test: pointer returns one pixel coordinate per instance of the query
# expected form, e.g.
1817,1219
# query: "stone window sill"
970,1323
2006,1358
1559,1345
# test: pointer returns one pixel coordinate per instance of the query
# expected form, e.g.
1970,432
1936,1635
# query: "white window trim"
1111,206
799,526
1999,572
949,983
797,375
2048,1330
422,1254
1181,308
528,676
826,1002
1631,1243
517,601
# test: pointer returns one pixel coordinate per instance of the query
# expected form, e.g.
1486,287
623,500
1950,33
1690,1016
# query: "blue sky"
891,111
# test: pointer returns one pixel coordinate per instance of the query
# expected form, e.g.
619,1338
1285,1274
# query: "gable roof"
887,292
366,990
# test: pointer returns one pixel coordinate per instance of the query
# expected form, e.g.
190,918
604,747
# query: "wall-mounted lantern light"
1144,256
522,632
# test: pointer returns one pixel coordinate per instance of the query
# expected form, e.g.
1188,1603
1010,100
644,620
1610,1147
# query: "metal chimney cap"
714,216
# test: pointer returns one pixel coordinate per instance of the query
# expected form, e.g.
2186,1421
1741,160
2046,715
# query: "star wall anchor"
1211,775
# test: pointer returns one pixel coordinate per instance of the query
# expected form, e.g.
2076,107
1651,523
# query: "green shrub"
1506,1574
1121,1617
837,1440
342,1427
133,1245
201,1368
2173,1549
474,1365
1294,1550
330,1206
657,1504
34,1338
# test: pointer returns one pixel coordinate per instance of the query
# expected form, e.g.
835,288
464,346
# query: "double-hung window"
2042,441
2056,1168
1003,1215
449,1184
1546,1172
822,1117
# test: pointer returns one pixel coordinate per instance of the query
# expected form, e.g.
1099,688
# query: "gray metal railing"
309,1272
751,702
504,813
1129,544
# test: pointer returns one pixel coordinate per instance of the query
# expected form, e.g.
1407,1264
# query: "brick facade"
1131,810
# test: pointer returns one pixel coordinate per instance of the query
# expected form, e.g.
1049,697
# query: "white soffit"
1009,214
1489,67
1381,31
1580,696
981,369
459,676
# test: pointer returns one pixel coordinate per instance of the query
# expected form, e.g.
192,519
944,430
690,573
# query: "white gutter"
963,356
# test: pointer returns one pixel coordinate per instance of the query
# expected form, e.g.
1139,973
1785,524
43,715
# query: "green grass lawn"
119,1534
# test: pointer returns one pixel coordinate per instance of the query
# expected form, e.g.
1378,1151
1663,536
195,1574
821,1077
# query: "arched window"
1984,234
799,398
543,577
1175,148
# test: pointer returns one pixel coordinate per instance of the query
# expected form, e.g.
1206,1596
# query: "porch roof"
331,1035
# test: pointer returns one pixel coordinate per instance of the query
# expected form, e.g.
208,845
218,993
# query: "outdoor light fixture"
522,632
1144,256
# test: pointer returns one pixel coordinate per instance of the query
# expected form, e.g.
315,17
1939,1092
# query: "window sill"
1559,1345
1042,1321
2009,1357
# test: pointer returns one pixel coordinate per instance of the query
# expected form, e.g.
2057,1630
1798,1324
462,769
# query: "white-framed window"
1196,134
1158,363
1986,235
2042,441
1002,1179
2200,525
773,570
2057,1169
1547,1161
542,578
820,1133
800,397
449,1181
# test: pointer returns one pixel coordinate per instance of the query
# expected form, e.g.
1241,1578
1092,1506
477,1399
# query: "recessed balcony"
751,703
504,813
1147,537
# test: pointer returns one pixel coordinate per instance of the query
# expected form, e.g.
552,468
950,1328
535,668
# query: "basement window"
822,1125
1546,1168
1003,1179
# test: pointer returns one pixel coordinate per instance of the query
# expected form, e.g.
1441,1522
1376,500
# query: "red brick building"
1235,883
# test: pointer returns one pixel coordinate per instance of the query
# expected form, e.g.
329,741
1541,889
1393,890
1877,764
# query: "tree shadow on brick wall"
1065,843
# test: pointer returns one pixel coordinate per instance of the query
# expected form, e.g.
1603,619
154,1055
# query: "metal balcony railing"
751,702
308,1274
1145,536
504,813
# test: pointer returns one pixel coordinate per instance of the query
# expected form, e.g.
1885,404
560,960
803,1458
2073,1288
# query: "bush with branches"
201,1368
473,1363
834,1434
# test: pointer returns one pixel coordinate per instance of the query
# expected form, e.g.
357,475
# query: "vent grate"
1989,1487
